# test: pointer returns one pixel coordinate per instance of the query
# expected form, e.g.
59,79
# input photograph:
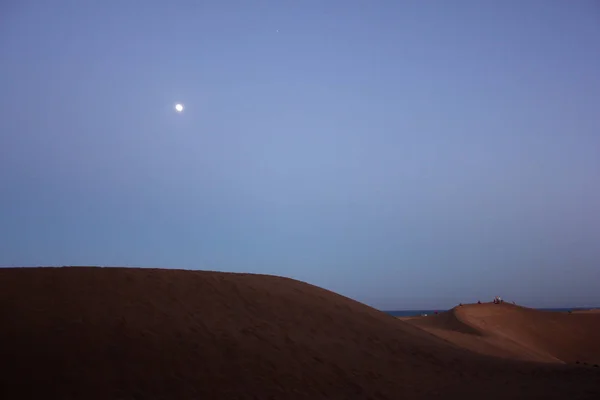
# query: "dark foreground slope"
108,333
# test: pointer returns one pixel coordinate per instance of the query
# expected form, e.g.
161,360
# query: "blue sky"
407,154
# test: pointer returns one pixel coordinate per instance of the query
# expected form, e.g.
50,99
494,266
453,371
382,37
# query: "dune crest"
511,331
119,333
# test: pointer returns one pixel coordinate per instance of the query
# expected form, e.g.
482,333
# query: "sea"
413,313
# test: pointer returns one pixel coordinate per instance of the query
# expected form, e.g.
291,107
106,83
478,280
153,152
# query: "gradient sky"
407,154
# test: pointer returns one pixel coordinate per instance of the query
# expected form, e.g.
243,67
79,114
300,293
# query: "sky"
406,154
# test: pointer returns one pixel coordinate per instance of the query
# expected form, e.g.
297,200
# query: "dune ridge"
123,333
512,331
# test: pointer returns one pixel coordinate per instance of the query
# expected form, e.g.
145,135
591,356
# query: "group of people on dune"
497,300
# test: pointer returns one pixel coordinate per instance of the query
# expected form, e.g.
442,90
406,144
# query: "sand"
118,333
511,331
590,311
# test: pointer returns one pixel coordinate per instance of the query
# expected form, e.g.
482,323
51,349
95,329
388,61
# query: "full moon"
179,107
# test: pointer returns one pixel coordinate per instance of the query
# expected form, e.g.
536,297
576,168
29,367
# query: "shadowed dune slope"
120,333
511,331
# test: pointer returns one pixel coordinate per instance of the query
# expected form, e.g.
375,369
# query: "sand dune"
511,331
590,311
117,333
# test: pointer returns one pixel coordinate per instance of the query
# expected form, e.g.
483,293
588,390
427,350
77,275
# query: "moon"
179,107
